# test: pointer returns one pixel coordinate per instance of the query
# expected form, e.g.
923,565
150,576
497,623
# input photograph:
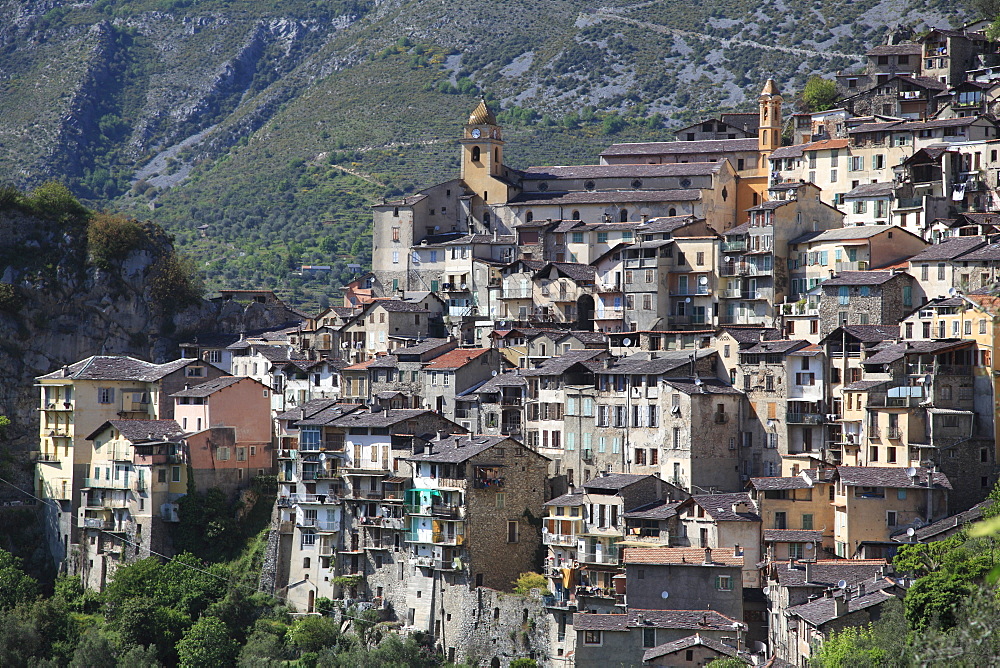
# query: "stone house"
501,401
469,517
693,578
792,583
755,255
873,502
817,256
697,651
855,606
796,513
726,523
866,298
450,375
135,476
583,529
941,267
387,324
623,639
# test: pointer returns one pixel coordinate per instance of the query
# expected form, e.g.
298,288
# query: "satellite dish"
626,342
911,471
702,280
495,372
437,227
697,381
345,344
910,532
767,590
952,292
687,300
810,546
664,595
841,584
464,286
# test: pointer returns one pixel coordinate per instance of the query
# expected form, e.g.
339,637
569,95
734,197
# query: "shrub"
111,238
528,581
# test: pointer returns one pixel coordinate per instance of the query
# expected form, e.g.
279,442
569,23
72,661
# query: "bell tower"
769,134
482,153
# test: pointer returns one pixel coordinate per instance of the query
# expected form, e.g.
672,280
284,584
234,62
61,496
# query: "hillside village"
705,388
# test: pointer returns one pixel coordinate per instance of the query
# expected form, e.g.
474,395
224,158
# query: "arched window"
496,155
486,218
530,216
624,216
576,215
475,154
672,212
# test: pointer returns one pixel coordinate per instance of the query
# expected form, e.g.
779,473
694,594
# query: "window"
699,258
602,237
175,474
890,518
860,206
724,582
105,395
591,637
512,531
649,637
807,522
501,500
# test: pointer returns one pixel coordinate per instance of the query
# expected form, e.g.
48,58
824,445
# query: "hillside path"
607,13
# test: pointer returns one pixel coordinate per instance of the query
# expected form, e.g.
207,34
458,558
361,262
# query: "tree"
15,586
207,644
819,94
524,663
311,634
93,651
139,657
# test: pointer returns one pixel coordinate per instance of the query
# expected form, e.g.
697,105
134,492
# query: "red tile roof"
456,359
691,556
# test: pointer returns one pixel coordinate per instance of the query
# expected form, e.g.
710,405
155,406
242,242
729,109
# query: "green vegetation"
528,581
949,617
819,95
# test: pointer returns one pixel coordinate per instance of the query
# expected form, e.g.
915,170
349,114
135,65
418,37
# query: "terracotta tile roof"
456,359
680,556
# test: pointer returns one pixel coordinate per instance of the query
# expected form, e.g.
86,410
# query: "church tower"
769,134
482,154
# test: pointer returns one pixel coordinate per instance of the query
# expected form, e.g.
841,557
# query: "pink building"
227,422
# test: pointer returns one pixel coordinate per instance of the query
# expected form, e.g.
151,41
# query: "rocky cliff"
62,299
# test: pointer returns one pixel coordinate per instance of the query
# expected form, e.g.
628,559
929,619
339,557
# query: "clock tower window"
475,154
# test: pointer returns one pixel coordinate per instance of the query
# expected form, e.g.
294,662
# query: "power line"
139,548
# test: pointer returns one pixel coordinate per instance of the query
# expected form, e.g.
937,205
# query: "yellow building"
791,505
873,503
79,398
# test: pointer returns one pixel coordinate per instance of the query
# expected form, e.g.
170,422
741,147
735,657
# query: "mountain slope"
276,124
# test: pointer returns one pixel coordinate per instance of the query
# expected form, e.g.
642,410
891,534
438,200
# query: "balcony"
566,540
805,418
45,457
599,557
484,483
720,418
609,287
860,265
734,246
909,203
96,523
940,369
744,319
730,293
516,293
894,433
98,483
426,562
691,291
609,314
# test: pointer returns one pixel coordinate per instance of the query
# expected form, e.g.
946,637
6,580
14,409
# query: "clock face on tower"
475,133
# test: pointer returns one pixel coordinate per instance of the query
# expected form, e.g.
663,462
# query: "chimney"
644,217
736,550
442,434
187,386
809,570
65,371
763,333
708,555
791,563
861,589
840,605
